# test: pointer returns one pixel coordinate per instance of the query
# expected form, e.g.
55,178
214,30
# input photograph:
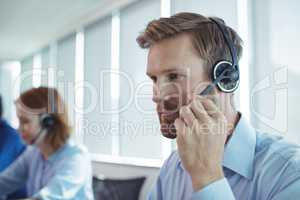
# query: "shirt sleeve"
215,191
14,176
70,180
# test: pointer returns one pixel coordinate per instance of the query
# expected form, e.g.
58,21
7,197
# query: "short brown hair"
206,37
47,100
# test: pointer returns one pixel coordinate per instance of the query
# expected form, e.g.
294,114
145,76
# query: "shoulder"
29,156
276,149
11,137
73,153
277,159
171,164
172,160
73,158
8,131
76,149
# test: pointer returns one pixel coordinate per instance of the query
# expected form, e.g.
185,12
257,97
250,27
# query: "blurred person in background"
11,146
53,166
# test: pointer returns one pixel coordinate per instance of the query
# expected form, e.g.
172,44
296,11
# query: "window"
26,74
97,96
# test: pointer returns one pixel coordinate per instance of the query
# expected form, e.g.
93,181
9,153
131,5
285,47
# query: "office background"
87,49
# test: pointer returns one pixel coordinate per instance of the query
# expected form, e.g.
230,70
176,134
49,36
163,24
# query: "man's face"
177,72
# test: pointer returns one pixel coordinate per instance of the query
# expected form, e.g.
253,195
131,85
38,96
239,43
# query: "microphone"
211,86
47,122
38,137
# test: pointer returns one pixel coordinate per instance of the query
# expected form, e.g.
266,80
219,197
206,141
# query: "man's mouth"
168,115
168,112
167,124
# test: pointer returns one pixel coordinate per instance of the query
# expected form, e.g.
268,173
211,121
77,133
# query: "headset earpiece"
47,121
229,80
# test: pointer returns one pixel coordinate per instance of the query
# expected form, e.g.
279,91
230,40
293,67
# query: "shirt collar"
240,150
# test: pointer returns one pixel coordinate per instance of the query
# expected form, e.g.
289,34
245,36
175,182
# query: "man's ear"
224,101
216,97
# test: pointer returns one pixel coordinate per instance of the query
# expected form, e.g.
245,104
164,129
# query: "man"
220,156
11,146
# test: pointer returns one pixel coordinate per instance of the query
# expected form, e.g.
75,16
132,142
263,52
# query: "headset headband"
228,42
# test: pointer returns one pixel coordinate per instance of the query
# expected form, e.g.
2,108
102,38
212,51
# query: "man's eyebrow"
168,70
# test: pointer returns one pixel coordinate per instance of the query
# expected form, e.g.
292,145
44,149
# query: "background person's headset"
47,120
225,74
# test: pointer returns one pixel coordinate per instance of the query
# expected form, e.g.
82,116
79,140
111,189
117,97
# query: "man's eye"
153,78
172,77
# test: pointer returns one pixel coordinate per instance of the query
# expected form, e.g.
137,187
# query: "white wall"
5,82
139,133
226,10
26,73
9,89
66,74
97,58
275,65
45,64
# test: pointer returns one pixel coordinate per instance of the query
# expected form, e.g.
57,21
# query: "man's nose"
156,99
163,92
159,91
159,95
155,90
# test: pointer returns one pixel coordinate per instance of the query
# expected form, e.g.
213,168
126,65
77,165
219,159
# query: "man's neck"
233,118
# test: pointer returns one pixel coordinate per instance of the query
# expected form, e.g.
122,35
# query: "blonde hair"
205,36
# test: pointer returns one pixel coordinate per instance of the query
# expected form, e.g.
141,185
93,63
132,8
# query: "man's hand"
201,135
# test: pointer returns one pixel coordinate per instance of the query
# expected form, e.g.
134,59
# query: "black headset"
225,74
47,120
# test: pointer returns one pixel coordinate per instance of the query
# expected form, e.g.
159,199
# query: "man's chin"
169,133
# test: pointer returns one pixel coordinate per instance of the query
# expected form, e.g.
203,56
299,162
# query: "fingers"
181,129
187,115
211,108
198,109
201,112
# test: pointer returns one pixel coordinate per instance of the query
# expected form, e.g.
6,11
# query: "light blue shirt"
65,175
256,166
